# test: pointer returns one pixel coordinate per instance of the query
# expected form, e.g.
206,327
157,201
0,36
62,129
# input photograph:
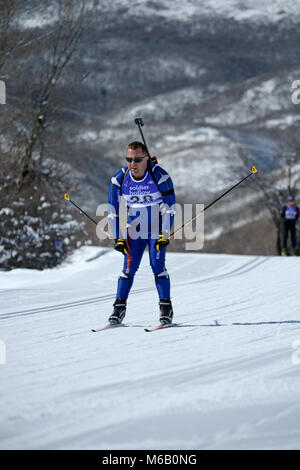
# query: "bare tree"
276,186
12,37
7,14
65,36
32,181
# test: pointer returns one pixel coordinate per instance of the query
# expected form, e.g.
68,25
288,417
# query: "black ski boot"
166,311
119,312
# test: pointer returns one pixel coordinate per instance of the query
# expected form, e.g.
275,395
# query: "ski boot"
119,312
166,311
283,252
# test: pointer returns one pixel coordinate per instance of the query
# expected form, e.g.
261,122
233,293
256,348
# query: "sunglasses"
136,160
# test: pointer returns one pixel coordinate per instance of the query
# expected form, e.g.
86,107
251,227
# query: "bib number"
146,198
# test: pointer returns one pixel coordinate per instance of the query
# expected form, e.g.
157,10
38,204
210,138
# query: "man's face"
137,169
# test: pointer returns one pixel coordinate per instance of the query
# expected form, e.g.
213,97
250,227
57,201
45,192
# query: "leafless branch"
67,33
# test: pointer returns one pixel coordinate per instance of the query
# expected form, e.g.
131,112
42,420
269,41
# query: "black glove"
121,246
161,241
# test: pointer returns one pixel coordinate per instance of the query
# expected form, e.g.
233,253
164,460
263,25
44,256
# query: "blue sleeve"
165,186
114,201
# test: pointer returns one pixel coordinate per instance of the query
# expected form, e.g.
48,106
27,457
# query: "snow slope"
182,10
228,378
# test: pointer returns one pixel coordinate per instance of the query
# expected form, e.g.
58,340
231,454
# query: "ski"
149,330
108,327
161,327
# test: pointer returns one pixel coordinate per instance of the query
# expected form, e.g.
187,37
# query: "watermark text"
296,354
148,222
296,93
2,92
2,352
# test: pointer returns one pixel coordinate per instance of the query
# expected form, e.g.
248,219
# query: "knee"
125,277
129,273
162,275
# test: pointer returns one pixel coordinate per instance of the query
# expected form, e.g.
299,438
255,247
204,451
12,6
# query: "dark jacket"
290,213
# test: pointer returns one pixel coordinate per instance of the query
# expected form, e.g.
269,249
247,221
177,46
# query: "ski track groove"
231,388
248,266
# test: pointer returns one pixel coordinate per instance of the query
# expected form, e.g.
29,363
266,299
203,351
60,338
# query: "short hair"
137,145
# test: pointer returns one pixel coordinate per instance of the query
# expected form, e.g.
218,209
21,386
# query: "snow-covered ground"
229,377
181,10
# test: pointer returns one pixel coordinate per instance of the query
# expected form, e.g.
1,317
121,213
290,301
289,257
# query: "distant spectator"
57,251
58,245
289,214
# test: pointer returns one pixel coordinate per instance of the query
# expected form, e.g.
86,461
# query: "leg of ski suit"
132,262
157,262
293,235
284,235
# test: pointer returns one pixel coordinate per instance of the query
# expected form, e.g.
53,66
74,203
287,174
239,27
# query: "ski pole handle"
67,198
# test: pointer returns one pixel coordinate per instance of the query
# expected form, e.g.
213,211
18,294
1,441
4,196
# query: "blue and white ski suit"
149,204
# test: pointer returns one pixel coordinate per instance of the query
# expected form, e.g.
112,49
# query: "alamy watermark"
2,352
2,92
296,93
134,222
296,354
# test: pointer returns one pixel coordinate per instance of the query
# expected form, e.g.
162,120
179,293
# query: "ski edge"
148,330
107,327
161,327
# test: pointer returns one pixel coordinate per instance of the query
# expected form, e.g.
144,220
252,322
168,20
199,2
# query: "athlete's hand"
121,246
161,242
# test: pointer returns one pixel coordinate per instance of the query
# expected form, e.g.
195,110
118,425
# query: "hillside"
212,82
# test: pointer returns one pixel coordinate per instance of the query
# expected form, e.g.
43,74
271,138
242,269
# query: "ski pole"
67,198
139,122
253,170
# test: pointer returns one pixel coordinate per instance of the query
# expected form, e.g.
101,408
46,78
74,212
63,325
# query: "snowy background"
228,378
212,81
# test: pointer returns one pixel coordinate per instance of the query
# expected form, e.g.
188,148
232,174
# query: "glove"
161,241
121,246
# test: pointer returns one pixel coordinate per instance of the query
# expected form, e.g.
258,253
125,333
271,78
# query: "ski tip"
67,196
254,169
109,326
94,330
161,327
